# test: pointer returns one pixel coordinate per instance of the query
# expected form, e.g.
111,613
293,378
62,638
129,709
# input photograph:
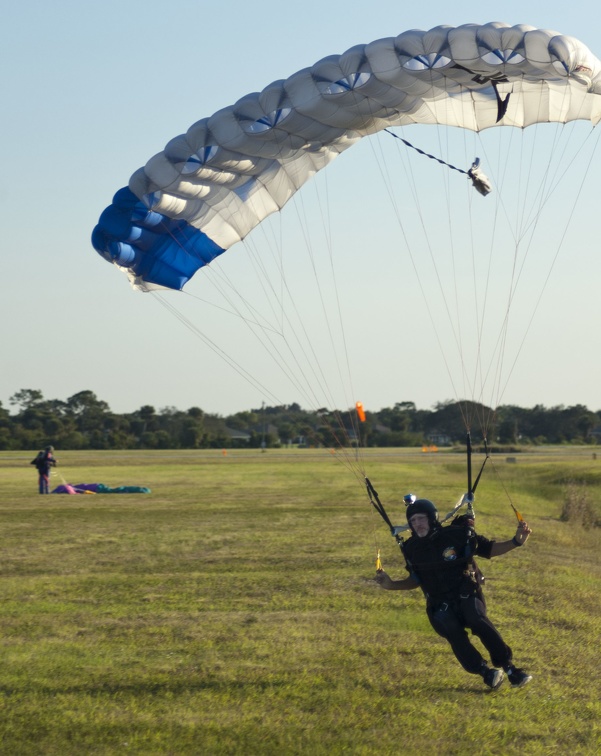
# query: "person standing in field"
43,462
440,561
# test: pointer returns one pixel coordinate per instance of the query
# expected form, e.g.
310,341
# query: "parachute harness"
479,180
466,499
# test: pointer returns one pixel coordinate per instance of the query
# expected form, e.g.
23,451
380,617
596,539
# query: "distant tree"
84,421
147,419
508,431
191,434
86,403
27,398
287,432
6,439
6,429
244,420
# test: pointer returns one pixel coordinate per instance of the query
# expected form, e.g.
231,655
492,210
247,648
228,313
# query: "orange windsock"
360,412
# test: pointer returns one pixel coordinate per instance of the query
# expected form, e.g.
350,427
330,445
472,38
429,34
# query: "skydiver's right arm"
407,584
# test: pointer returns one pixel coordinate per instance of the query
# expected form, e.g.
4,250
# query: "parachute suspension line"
327,233
257,385
541,196
484,373
463,406
449,196
475,384
549,186
276,354
338,429
275,301
214,347
478,378
267,341
302,218
343,458
232,312
469,377
454,323
413,188
500,478
280,360
339,432
485,422
298,204
529,225
469,382
502,386
500,344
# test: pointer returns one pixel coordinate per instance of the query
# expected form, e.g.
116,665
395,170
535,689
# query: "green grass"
233,610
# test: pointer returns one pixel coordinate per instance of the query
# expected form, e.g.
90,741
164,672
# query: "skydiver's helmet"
423,506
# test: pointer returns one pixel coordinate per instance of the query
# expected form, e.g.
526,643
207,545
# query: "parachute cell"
211,186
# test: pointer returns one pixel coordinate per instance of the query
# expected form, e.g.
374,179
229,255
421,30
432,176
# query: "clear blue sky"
91,90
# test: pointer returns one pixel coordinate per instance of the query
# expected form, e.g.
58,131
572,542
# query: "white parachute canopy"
211,186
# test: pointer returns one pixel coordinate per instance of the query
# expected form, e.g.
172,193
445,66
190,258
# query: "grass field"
233,610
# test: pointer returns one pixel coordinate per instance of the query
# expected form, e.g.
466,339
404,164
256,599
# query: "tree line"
84,421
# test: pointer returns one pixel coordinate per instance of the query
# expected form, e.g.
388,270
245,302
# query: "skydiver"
43,462
440,561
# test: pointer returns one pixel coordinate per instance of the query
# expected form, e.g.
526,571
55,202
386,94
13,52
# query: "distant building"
264,430
238,435
379,428
439,439
596,433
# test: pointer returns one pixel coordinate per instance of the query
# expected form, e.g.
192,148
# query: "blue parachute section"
155,249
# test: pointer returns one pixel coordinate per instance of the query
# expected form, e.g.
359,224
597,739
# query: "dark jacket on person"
44,461
443,561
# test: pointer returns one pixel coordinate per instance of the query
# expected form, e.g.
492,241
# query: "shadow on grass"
144,688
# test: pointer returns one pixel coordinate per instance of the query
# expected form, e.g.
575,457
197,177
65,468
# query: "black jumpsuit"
442,563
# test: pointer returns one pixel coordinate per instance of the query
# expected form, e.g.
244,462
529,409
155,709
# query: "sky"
92,90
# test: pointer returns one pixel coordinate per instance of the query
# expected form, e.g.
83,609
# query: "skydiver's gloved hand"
468,498
522,533
383,580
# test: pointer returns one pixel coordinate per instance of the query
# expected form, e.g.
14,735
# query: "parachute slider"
480,181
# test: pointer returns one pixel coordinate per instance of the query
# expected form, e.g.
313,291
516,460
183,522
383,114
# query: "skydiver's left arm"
521,536
406,584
